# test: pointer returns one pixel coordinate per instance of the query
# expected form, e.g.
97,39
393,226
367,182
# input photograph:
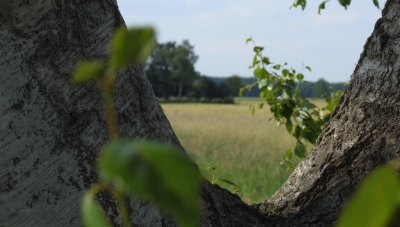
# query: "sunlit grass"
247,148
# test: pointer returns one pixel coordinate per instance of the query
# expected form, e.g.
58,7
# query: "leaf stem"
107,85
119,198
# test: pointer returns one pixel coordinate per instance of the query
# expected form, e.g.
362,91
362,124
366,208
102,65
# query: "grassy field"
247,148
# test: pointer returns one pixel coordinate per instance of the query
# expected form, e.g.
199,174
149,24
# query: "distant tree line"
318,89
170,70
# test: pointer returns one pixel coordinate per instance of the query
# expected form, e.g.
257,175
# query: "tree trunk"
51,131
180,90
363,133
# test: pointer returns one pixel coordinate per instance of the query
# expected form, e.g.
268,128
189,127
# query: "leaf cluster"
279,87
345,3
151,171
214,180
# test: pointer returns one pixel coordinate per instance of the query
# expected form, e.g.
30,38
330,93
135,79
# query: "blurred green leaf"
270,94
255,61
285,72
248,40
320,7
157,173
88,70
131,45
308,105
212,168
228,182
301,3
376,3
300,149
345,3
300,77
270,87
288,154
241,91
331,106
262,83
262,94
266,61
93,216
258,49
375,202
277,67
289,126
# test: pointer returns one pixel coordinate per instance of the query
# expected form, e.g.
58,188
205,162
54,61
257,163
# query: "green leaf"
266,61
212,168
228,182
320,7
305,103
376,3
241,91
300,77
270,87
262,94
345,3
262,83
301,3
277,67
88,70
308,67
93,216
290,83
248,40
155,172
331,106
285,95
375,202
270,95
258,49
131,45
255,61
300,149
297,132
289,126
285,72
288,154
260,105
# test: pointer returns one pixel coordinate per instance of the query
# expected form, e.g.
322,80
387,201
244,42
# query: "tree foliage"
170,68
345,3
140,168
279,86
231,86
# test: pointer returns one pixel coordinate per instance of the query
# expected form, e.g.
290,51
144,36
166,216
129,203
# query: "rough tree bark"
51,130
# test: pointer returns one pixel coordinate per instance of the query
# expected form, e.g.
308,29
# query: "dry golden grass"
247,148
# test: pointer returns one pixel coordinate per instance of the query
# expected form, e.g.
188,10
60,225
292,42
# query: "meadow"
247,148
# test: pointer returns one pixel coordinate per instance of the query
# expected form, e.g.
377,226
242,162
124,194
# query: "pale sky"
330,43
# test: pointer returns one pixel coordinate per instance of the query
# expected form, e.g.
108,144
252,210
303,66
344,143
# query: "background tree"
230,87
321,88
170,68
183,72
207,88
159,67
